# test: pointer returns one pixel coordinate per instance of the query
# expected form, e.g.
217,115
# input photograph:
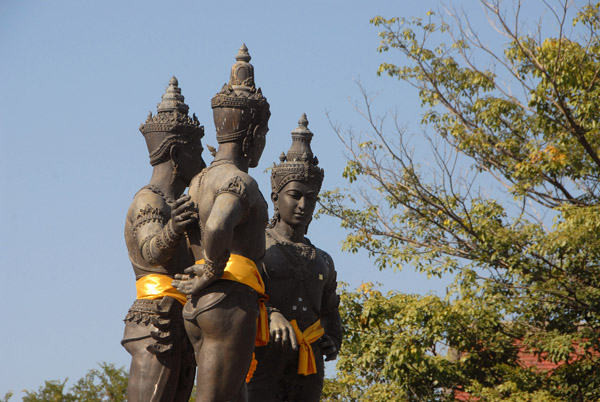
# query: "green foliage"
52,391
107,384
525,254
406,348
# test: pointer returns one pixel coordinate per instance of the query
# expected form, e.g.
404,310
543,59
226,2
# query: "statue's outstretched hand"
194,279
328,348
281,331
183,213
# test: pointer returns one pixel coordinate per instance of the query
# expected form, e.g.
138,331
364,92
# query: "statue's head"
240,111
296,176
172,135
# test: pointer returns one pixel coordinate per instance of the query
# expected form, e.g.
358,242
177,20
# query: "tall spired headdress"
241,93
299,164
171,125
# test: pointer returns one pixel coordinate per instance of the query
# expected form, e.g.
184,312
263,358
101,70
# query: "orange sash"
306,356
243,270
155,286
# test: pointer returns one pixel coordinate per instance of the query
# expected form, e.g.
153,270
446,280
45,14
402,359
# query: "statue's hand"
328,348
183,213
194,279
281,331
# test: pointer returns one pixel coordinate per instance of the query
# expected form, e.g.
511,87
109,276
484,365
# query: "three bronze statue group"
247,304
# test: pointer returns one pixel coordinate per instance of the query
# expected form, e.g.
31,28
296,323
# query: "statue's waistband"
155,286
243,270
306,356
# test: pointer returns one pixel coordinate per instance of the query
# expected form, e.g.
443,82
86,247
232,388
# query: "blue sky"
79,77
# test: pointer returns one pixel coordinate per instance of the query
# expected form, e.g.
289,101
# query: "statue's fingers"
186,215
185,287
185,223
187,219
277,335
293,340
331,356
188,205
183,199
181,205
284,337
178,202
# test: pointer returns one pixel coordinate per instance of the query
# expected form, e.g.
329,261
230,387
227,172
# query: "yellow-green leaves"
506,199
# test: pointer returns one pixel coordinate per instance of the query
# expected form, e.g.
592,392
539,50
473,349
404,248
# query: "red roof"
527,359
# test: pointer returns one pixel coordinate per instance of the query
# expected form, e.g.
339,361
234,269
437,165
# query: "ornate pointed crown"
241,91
299,164
172,119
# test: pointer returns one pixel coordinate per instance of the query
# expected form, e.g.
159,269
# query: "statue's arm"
158,235
227,212
330,313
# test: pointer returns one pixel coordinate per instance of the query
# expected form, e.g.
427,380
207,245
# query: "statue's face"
296,203
192,162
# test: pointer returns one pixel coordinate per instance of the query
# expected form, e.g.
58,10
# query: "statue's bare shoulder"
226,179
147,202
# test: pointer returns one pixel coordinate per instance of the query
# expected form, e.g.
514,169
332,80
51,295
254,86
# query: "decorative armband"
215,269
158,248
166,238
237,187
146,215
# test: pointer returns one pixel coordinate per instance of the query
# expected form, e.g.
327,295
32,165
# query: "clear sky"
79,77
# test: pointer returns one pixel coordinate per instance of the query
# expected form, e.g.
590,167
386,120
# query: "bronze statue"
225,285
300,280
162,360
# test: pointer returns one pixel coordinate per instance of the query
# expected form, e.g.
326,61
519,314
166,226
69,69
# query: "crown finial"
302,132
173,99
243,54
303,122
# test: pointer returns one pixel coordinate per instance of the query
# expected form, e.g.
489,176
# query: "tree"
107,384
524,253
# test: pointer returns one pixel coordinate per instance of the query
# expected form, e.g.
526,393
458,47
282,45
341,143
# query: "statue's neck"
289,233
232,151
162,178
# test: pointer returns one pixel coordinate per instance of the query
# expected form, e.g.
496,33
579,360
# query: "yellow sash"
306,356
155,286
243,270
252,368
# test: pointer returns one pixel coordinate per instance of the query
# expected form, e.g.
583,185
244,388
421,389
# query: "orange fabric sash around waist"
243,270
306,356
155,286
